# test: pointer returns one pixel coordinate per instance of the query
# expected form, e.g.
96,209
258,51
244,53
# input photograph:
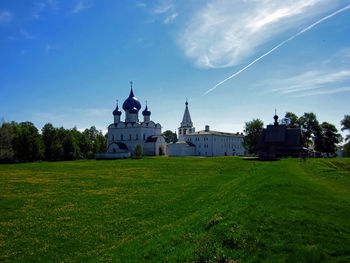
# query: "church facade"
123,136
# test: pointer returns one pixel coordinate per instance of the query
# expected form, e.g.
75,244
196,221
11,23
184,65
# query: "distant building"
124,136
206,142
278,141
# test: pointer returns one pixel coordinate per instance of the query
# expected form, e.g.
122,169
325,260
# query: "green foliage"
170,136
22,143
49,137
137,152
323,137
345,123
27,143
176,210
291,120
329,138
6,137
253,131
309,127
346,150
70,146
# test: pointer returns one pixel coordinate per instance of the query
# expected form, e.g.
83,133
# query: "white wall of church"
133,134
181,149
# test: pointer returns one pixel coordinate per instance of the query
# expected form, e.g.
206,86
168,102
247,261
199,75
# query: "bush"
138,152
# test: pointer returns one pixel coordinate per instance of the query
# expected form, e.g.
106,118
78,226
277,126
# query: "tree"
169,136
346,150
345,123
49,137
27,142
93,142
101,143
70,146
6,137
253,131
291,120
138,152
328,138
85,145
309,127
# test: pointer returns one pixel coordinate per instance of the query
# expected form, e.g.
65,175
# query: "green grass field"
176,210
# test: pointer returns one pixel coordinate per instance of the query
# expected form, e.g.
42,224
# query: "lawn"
176,210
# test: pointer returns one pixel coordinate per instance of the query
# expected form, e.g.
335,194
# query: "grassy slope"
180,209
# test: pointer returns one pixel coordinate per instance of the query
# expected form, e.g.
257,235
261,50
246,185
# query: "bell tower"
186,126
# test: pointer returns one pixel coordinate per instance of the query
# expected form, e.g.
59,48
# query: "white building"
205,143
215,143
123,136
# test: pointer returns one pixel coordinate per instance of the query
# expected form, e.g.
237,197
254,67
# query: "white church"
123,136
206,142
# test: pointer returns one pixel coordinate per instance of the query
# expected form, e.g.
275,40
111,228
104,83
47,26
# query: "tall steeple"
186,120
186,124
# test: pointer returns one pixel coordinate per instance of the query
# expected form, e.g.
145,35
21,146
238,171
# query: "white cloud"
26,35
223,33
5,17
312,80
170,18
166,9
21,35
323,92
81,6
41,6
141,4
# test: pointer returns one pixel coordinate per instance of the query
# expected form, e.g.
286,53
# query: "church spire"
186,120
186,124
131,91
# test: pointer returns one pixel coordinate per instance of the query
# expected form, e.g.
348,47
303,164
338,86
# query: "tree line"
22,142
322,137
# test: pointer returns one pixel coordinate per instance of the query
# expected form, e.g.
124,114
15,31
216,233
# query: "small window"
137,136
144,136
121,137
130,137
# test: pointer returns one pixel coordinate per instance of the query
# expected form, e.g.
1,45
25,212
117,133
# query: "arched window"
129,137
137,136
144,136
121,137
113,138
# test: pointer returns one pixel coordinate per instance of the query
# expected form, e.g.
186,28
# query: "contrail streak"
278,46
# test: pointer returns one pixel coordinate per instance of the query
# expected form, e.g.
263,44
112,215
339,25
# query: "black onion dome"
131,102
134,110
146,112
117,111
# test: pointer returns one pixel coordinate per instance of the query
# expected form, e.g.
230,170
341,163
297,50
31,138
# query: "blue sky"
67,61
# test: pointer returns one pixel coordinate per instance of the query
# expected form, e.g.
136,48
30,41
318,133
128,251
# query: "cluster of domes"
132,105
